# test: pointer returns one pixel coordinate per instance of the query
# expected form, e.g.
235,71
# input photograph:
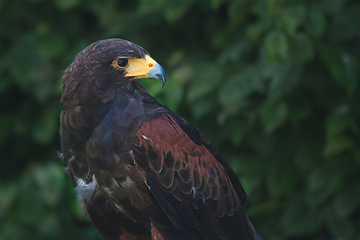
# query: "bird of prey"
141,171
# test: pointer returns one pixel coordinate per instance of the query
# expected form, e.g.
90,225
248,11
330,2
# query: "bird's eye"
123,62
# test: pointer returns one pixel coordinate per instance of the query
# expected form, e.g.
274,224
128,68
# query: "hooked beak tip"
158,73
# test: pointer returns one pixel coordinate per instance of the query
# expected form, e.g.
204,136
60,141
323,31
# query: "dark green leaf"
50,181
174,10
315,23
344,27
299,218
234,53
8,194
340,228
342,66
255,30
216,3
337,145
301,49
322,183
338,123
45,127
280,179
205,82
240,85
292,17
174,94
276,45
284,77
272,115
67,4
346,201
202,106
333,6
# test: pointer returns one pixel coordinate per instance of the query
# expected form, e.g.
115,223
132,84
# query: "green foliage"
273,83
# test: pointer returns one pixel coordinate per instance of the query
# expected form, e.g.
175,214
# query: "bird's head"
104,69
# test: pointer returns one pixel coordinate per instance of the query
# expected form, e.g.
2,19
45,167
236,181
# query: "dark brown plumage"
141,171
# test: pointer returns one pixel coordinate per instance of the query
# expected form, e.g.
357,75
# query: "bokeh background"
273,83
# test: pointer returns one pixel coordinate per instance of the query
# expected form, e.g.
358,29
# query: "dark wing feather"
192,183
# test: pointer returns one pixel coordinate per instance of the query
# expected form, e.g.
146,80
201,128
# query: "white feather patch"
85,191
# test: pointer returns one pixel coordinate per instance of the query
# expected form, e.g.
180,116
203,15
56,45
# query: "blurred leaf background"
273,83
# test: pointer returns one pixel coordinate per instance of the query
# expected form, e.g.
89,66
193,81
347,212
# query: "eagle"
141,171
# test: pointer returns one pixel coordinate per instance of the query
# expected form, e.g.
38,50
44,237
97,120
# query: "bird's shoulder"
188,177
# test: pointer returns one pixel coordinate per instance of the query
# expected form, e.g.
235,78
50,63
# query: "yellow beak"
145,68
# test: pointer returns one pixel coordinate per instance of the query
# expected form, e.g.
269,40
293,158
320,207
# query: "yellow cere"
140,67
